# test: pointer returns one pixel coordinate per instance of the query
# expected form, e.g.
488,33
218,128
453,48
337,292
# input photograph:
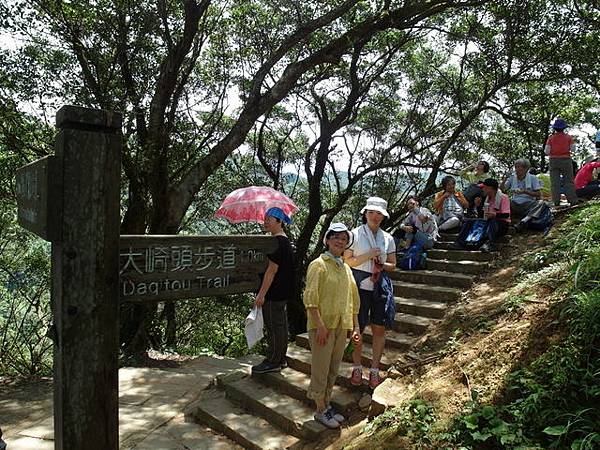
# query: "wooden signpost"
72,200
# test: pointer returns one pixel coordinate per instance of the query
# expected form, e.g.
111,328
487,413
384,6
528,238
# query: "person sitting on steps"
449,205
332,303
372,251
419,225
525,189
586,184
496,212
275,291
475,174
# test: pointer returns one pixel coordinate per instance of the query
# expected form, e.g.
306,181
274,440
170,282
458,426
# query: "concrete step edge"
250,431
288,414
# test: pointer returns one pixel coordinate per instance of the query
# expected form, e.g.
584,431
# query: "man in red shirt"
585,184
559,147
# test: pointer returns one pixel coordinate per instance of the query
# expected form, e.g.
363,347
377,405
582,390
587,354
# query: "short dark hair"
415,198
491,183
486,166
447,179
363,219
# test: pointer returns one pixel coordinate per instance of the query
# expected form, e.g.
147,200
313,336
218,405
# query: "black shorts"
371,311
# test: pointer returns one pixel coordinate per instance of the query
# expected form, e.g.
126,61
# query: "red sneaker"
374,379
356,379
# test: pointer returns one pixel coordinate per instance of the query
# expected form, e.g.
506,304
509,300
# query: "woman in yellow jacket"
449,205
332,303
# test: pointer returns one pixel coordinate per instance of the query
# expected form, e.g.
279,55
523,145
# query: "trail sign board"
38,197
158,268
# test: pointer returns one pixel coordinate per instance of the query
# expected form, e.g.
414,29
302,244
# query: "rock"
393,373
385,396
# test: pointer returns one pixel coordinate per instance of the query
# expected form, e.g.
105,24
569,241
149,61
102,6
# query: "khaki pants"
325,363
562,166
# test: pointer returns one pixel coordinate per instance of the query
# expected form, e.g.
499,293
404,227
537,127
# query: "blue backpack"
477,234
414,258
544,219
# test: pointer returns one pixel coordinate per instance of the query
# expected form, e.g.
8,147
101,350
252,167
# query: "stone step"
421,307
451,237
466,267
412,324
289,414
433,278
425,291
389,357
393,339
299,358
448,245
225,417
295,384
460,255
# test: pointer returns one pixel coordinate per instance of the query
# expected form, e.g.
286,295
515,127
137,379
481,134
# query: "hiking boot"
336,415
374,380
326,418
265,367
356,379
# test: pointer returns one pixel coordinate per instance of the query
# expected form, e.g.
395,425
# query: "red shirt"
584,175
560,145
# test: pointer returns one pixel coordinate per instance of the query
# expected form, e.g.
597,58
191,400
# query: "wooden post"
85,280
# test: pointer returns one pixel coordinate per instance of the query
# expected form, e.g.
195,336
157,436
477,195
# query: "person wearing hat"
372,251
496,210
332,304
558,148
275,290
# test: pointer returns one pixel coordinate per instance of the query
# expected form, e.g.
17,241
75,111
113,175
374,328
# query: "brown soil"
490,332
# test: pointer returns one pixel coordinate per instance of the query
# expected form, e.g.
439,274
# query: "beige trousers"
325,363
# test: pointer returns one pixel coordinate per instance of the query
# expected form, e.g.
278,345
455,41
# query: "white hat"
376,204
338,227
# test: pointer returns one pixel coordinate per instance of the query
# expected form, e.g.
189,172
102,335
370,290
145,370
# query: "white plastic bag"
254,327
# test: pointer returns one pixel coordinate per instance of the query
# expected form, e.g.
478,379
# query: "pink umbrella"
249,204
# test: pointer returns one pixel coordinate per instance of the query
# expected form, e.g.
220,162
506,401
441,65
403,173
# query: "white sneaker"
327,419
336,415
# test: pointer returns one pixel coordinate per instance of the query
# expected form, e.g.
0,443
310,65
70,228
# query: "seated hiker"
496,213
449,205
475,174
419,225
586,184
525,189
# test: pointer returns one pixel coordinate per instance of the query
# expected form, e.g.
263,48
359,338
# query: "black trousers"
276,324
592,189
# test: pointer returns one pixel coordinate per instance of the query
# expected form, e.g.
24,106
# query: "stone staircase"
271,411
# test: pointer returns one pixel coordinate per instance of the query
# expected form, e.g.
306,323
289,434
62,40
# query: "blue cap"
279,214
559,124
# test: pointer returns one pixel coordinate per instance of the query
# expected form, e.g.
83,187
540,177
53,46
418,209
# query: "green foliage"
553,401
412,419
214,326
486,426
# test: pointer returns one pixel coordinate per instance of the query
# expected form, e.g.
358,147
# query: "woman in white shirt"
372,251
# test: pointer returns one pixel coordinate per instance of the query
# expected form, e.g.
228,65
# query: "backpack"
542,219
477,234
414,258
